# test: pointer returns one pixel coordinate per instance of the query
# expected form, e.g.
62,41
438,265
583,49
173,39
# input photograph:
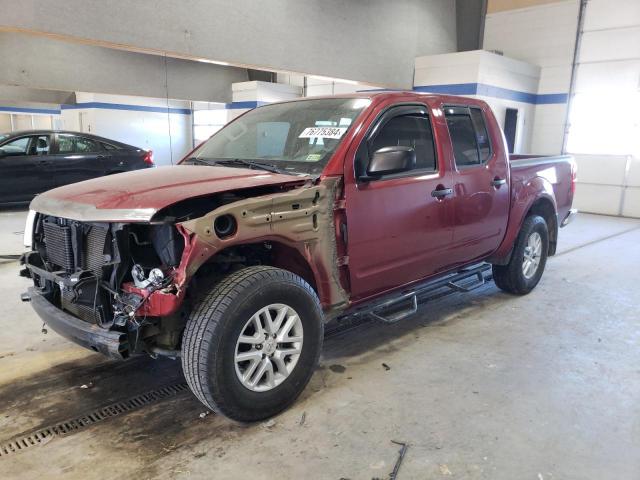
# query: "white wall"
265,92
168,135
542,35
321,86
247,95
18,119
483,71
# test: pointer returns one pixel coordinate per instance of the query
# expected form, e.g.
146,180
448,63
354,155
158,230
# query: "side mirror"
389,160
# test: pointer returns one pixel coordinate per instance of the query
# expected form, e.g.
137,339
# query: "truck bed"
557,171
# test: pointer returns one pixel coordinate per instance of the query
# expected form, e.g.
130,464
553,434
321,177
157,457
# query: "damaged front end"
127,287
114,277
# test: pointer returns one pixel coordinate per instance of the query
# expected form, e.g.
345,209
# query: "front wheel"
524,270
252,344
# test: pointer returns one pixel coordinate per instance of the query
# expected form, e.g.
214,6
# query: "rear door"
397,229
481,183
118,159
77,158
26,168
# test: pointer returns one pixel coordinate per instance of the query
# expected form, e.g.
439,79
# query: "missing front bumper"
109,343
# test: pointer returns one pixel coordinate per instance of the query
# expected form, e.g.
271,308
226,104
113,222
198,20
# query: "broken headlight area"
113,275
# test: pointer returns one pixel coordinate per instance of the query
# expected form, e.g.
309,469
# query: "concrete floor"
480,385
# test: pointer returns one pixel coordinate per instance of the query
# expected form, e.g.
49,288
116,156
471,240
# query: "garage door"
604,131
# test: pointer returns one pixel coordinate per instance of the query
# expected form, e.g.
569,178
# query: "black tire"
511,277
213,329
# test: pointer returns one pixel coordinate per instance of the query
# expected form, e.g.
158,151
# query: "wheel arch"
273,253
544,207
535,199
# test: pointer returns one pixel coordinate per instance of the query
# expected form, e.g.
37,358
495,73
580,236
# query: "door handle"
442,192
498,182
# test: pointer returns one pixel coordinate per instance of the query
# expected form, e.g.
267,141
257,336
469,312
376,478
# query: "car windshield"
295,137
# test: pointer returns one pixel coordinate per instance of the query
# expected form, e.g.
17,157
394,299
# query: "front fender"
302,218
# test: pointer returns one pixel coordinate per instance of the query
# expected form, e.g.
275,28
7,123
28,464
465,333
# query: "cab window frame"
365,149
465,109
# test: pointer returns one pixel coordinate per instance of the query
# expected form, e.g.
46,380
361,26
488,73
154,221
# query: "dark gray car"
33,162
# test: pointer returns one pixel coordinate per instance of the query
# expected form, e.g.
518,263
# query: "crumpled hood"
138,195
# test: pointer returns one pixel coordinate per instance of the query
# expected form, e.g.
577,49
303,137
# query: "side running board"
404,304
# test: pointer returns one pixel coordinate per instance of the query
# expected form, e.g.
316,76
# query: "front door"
481,184
25,168
397,229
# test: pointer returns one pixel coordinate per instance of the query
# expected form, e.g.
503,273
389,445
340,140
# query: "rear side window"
76,145
481,133
413,130
469,137
108,146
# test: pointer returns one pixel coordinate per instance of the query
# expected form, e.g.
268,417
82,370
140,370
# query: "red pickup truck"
293,215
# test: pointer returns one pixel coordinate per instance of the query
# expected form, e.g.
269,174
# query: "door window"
17,147
479,125
469,137
413,130
72,144
39,145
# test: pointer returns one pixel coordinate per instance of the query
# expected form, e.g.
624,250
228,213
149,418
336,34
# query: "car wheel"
252,343
525,268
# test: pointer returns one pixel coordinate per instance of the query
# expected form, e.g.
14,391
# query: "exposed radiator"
84,312
58,244
93,257
62,237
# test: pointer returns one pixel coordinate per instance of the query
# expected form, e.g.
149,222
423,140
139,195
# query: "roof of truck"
381,95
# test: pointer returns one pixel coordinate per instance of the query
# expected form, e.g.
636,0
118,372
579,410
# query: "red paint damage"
159,303
156,303
160,187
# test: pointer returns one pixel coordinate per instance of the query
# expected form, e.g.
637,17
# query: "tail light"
148,158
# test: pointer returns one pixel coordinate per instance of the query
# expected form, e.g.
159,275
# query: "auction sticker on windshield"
323,132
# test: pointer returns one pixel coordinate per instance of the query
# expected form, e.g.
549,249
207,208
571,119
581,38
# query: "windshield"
295,136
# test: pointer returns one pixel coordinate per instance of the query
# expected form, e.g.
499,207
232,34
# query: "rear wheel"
524,270
251,345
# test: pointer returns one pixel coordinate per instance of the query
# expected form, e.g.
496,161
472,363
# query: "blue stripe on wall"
122,106
243,105
548,98
450,89
495,92
445,89
47,111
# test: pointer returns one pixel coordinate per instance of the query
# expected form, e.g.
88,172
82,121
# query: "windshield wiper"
252,164
240,162
201,161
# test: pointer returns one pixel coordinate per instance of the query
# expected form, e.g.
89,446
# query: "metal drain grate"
43,435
